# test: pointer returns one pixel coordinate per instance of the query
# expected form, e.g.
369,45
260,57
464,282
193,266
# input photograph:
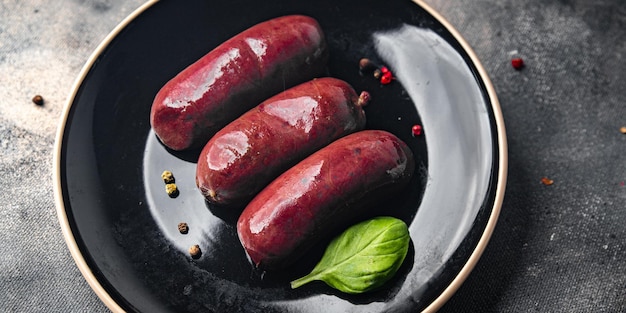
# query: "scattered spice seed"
386,78
171,190
547,181
364,99
622,130
366,65
378,74
517,63
195,251
381,73
38,100
416,130
168,177
183,228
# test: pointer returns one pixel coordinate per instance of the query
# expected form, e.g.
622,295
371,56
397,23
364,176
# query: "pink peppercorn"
416,130
517,63
386,78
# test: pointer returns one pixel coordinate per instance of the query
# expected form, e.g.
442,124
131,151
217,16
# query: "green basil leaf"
363,257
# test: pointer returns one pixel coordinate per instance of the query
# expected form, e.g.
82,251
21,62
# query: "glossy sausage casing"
248,153
235,76
311,200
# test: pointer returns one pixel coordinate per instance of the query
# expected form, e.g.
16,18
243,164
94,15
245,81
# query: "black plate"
121,227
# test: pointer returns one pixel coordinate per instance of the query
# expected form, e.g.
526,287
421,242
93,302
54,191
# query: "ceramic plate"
121,227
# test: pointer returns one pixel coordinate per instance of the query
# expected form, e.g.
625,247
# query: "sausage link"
311,200
248,153
235,76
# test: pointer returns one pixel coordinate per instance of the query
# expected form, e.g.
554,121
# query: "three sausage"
341,169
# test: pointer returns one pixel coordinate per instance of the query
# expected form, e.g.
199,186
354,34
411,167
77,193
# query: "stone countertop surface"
556,248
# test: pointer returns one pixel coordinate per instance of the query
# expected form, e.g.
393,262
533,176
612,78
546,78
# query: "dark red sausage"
248,153
324,191
234,77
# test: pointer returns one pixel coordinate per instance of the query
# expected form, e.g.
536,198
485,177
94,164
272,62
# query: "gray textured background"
559,248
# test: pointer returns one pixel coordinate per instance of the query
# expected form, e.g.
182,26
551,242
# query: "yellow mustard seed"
168,177
171,190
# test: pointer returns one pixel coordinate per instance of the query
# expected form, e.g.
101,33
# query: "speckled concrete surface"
558,248
43,46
